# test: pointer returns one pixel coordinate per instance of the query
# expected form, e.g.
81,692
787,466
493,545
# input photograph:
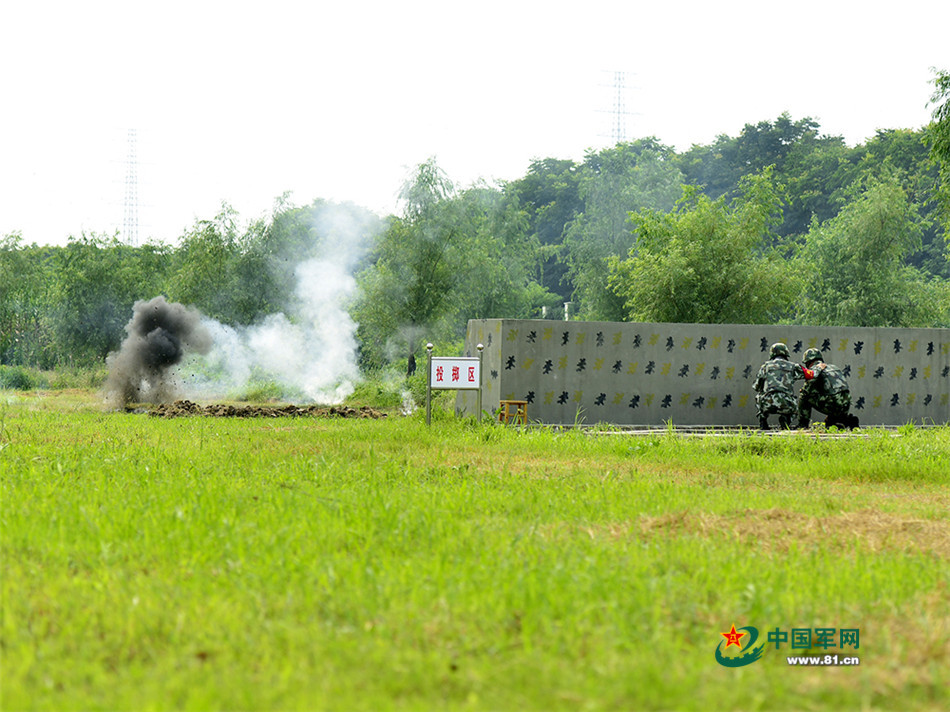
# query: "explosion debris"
159,335
182,408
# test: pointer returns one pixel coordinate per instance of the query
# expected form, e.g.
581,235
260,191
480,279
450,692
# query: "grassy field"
317,563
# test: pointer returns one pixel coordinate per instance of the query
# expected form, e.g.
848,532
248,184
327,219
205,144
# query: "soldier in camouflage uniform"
828,393
774,387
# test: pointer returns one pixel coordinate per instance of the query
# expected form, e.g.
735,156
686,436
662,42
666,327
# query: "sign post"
453,373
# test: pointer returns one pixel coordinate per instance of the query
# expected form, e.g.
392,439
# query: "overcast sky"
241,102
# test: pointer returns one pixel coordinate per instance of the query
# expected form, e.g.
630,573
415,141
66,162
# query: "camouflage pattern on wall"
697,374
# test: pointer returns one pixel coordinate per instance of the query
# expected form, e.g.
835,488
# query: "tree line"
780,224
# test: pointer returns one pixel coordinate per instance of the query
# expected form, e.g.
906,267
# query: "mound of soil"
182,408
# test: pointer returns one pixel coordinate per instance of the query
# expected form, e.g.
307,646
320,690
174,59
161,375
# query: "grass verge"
200,563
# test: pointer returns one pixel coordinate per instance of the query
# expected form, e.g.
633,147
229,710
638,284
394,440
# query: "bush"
375,394
63,378
18,378
263,392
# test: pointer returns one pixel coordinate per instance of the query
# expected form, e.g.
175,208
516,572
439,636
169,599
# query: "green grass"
23,378
200,563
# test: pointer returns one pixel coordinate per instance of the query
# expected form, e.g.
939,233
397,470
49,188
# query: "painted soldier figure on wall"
775,387
828,392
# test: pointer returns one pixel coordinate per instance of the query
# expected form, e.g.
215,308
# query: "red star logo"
732,637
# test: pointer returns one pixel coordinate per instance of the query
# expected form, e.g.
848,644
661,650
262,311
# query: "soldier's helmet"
778,349
811,356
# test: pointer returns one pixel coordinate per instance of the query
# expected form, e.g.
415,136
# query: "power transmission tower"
619,134
619,113
130,222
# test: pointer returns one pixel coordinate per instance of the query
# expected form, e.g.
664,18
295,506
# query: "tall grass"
201,563
22,378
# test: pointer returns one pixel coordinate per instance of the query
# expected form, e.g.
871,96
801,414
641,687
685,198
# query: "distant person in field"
775,387
828,392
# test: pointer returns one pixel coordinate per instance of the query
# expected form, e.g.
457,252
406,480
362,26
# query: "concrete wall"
696,374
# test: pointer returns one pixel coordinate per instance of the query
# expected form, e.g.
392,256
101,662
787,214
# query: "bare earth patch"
778,528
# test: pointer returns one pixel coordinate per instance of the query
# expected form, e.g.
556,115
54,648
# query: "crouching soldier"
774,387
827,392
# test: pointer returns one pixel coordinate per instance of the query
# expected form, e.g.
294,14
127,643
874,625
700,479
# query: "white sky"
240,102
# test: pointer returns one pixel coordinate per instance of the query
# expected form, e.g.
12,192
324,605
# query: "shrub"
21,379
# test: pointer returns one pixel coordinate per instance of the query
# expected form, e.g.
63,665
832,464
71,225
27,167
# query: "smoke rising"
158,337
310,349
313,354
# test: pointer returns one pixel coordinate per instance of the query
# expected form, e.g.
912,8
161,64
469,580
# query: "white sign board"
456,373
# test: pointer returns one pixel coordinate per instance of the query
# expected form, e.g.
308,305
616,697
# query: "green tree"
719,166
614,182
202,265
708,261
813,167
549,195
496,274
452,256
815,174
97,280
264,271
938,136
406,288
25,281
854,268
903,154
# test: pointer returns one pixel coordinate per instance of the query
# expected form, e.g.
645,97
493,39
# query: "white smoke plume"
311,350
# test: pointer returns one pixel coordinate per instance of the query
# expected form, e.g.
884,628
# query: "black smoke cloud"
159,335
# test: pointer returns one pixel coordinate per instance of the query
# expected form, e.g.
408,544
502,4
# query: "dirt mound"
182,408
